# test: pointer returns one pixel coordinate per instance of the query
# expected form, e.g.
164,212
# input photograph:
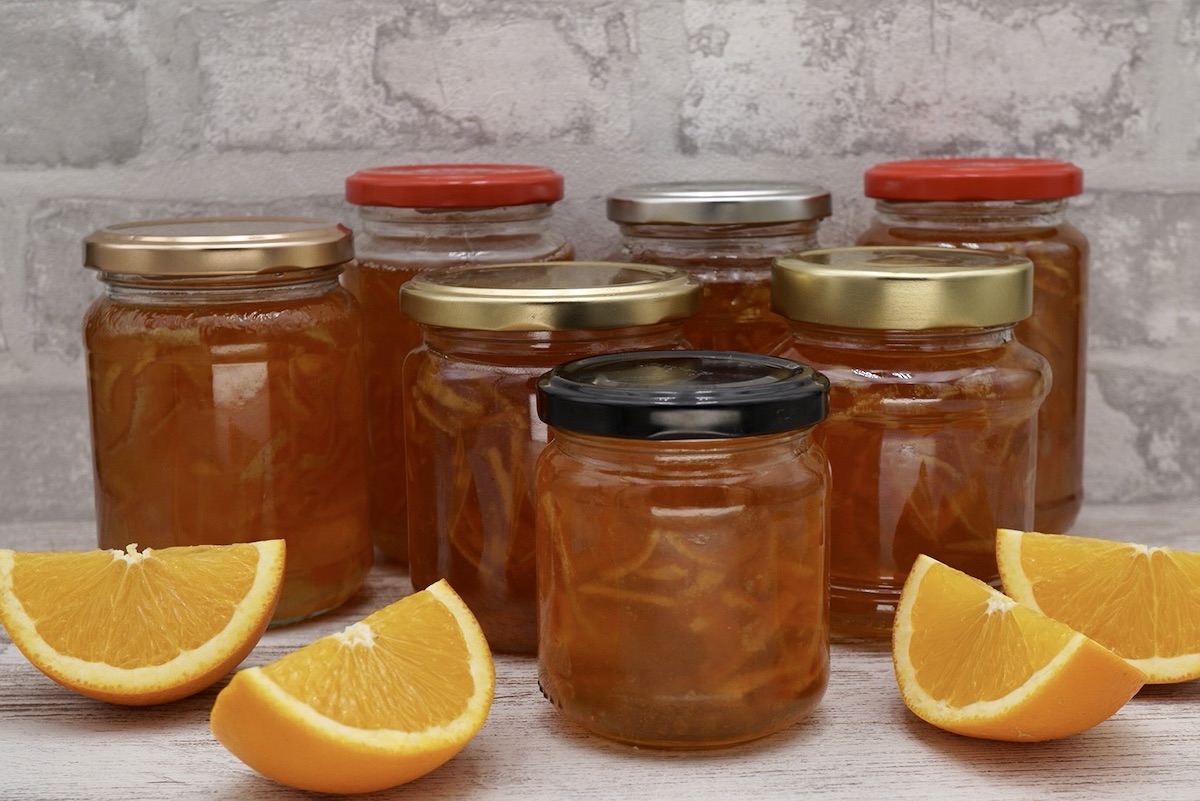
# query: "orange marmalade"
682,586
226,396
933,403
416,218
725,234
471,432
1013,206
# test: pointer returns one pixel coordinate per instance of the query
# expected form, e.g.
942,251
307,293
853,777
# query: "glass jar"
932,425
415,218
1014,206
225,382
471,431
725,234
682,561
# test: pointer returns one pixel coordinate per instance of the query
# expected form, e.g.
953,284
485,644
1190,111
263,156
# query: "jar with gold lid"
471,430
682,554
725,234
932,426
417,217
224,377
1019,206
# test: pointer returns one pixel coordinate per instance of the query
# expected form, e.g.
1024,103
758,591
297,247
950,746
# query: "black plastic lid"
682,394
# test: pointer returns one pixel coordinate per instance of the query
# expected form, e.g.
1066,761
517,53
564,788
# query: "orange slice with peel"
140,628
381,703
971,660
1143,603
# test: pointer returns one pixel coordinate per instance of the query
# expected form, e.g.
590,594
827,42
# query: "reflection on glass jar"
420,217
1013,206
471,431
932,420
725,234
682,561
224,378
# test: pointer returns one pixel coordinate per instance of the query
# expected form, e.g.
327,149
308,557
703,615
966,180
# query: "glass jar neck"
971,215
521,233
933,340
209,289
665,456
549,348
775,238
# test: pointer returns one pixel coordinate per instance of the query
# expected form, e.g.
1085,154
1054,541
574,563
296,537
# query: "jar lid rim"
902,288
719,202
217,246
672,395
550,296
973,179
444,186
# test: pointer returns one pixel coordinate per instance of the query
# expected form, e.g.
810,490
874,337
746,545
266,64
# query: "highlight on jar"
226,395
932,428
472,435
418,217
682,547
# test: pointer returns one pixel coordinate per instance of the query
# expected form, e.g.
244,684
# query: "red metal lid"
973,179
462,186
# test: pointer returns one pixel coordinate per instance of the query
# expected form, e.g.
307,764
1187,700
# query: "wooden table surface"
860,742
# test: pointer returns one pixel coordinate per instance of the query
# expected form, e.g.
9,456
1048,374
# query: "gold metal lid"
550,296
902,288
218,246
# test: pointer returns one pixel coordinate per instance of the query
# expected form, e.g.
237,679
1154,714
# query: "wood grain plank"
860,742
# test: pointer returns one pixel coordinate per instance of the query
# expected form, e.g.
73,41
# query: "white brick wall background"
114,110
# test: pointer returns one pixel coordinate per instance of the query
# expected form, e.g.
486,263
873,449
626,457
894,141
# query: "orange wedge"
381,703
975,662
1143,603
140,628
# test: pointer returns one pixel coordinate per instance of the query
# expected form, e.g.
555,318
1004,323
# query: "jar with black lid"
682,585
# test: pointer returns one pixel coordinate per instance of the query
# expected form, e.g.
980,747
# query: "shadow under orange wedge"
381,703
1143,603
971,660
140,628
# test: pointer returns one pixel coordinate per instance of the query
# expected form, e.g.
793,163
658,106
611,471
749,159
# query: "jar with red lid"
471,430
932,427
1013,205
682,546
725,234
419,217
226,395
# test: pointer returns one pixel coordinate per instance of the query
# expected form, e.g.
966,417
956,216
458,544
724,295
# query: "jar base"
668,716
861,613
301,600
1058,515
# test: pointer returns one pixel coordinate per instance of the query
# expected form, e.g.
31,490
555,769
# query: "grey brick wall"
116,110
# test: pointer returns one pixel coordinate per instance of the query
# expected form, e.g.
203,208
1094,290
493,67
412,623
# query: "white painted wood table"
860,742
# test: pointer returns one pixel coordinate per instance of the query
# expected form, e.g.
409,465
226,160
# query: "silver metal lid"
719,203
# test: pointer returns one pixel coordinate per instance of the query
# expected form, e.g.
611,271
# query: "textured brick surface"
46,469
74,87
116,110
807,79
1145,287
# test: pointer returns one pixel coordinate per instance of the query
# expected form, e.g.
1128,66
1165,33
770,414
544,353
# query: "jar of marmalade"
725,234
682,562
1013,205
471,429
415,218
932,425
225,382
